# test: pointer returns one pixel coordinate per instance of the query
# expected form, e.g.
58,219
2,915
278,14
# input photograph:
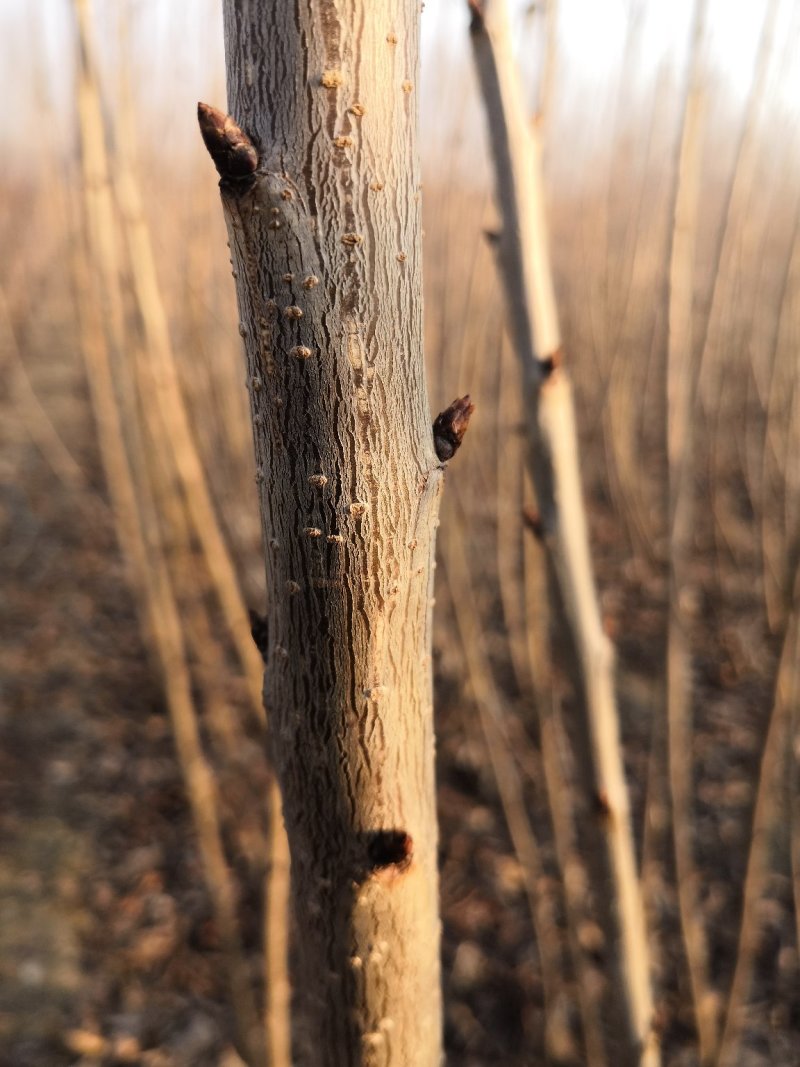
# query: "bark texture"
323,218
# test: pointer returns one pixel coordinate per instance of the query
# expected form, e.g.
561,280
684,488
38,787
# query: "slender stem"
524,261
767,838
135,513
490,709
681,390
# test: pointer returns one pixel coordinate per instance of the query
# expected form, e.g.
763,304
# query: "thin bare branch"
767,843
681,390
490,709
137,524
524,260
37,422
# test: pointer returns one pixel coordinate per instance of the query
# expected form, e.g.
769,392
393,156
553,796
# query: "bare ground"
108,951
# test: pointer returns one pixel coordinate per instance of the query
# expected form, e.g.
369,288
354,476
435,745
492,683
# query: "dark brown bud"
450,427
231,149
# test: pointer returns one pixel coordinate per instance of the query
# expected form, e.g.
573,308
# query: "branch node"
550,363
533,521
602,804
477,21
259,632
450,426
234,154
388,848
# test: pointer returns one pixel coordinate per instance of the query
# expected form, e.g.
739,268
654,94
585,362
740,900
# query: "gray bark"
321,197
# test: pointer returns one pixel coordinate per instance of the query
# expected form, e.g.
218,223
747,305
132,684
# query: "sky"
607,52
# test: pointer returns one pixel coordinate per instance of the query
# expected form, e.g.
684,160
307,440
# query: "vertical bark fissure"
349,481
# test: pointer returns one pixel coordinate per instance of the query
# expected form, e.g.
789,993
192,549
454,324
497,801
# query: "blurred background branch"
133,865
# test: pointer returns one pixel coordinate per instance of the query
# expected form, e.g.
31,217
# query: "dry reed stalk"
461,333
474,332
656,847
509,458
273,848
523,256
100,310
168,507
623,438
611,262
176,433
714,374
275,933
561,799
190,582
549,60
680,415
778,458
527,624
794,813
766,838
166,626
136,522
35,418
490,703
211,381
174,417
640,258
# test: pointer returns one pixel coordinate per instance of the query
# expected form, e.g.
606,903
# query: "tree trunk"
321,198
